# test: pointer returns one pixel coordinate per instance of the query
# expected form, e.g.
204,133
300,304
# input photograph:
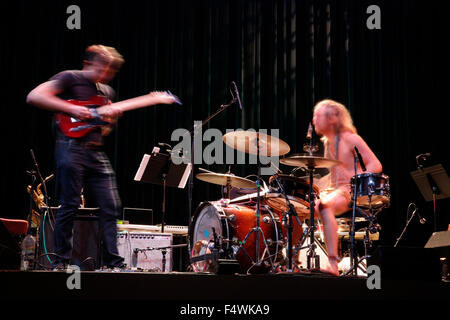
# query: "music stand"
433,183
159,169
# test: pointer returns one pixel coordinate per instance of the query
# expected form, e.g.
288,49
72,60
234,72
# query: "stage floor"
198,287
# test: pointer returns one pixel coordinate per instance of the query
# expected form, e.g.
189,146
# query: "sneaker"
61,266
117,268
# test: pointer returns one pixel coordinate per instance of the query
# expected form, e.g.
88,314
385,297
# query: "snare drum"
372,190
232,225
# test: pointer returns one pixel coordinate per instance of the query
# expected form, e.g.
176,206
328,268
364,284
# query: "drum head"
375,201
296,183
277,201
207,221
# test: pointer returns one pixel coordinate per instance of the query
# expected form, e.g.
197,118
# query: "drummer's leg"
329,207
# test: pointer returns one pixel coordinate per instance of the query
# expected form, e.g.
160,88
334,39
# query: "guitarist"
80,162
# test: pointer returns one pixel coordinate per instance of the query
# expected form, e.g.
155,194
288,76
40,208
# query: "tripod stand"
372,227
256,143
257,229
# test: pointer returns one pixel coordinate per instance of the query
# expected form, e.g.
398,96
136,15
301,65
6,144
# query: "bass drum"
228,228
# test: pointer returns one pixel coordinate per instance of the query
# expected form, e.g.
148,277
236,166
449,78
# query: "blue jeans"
78,166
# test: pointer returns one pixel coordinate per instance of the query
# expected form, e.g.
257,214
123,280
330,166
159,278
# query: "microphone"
363,167
237,94
421,156
163,144
32,156
310,132
421,219
50,177
276,168
310,146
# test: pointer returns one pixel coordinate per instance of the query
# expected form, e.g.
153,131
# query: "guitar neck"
132,104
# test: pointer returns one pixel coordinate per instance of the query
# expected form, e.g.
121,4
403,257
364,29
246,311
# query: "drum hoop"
291,198
248,197
371,174
221,217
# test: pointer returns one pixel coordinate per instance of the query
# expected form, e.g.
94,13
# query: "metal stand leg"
257,229
313,261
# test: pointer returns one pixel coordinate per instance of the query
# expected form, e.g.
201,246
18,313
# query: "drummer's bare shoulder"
370,159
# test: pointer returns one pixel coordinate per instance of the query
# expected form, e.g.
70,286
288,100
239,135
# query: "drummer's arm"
370,159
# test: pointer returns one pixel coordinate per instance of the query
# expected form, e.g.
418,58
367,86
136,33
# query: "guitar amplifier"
146,251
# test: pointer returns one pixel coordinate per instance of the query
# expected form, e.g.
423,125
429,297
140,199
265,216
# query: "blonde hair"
345,121
108,54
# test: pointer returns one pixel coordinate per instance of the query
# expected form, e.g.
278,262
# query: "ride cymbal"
250,142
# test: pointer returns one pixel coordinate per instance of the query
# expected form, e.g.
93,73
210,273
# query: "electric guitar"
76,128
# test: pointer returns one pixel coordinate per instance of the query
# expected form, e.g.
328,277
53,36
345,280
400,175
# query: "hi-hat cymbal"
310,161
225,179
248,141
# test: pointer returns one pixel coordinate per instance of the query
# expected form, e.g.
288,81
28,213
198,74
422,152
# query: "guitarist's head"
102,63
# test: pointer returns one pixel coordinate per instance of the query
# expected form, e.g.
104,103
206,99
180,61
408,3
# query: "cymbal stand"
313,260
353,257
257,229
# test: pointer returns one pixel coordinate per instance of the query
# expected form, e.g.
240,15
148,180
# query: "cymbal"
309,161
224,179
246,141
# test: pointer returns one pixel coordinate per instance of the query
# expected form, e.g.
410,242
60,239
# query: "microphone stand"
291,213
435,191
353,258
407,224
30,218
192,133
30,214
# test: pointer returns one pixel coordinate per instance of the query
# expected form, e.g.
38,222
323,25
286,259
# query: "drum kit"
263,228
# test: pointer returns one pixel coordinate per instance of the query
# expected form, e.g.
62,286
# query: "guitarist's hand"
80,112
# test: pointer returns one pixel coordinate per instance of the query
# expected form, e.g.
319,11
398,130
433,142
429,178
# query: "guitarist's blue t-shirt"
75,86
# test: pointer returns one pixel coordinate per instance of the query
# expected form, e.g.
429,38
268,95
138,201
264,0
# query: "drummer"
333,122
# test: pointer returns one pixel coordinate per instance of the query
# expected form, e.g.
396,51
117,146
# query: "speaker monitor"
410,263
440,241
9,250
144,250
86,243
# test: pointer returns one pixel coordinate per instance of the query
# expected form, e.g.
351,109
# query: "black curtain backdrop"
284,56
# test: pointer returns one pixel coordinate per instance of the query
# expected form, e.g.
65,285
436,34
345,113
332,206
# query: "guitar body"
75,128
